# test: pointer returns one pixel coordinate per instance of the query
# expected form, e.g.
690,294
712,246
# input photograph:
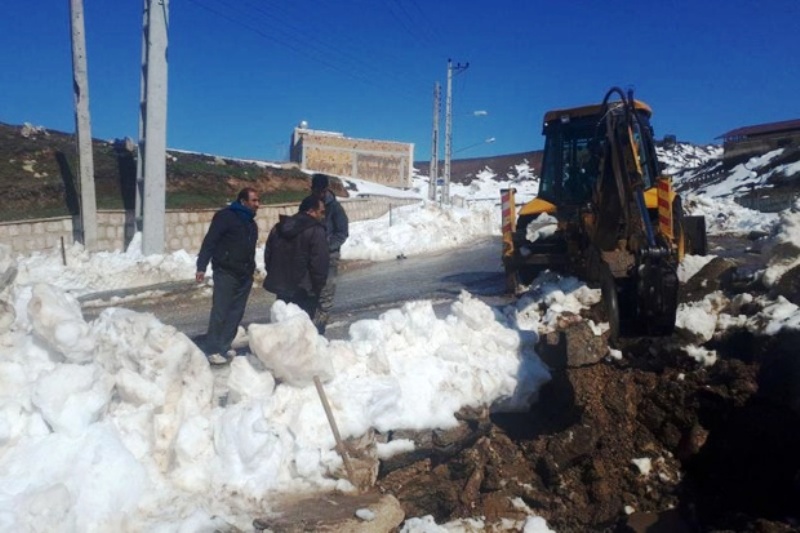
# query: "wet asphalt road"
367,291
364,290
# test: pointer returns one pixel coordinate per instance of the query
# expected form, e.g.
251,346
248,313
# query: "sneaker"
230,354
217,359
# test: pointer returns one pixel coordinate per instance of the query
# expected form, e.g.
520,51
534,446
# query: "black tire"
512,280
527,273
694,230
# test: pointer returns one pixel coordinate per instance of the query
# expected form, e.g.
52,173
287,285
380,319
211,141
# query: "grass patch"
283,197
10,215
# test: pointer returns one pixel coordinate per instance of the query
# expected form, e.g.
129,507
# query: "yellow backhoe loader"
605,213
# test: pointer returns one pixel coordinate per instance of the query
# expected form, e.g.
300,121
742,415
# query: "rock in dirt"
718,274
789,286
666,522
574,346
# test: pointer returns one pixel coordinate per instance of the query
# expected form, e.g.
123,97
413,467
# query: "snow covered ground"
115,424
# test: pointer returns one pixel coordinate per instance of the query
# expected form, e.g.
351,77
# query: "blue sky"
243,73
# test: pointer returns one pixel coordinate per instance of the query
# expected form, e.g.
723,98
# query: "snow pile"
113,427
426,524
786,252
549,297
742,178
415,229
691,265
683,157
86,272
428,227
699,322
487,184
757,173
362,188
126,411
725,216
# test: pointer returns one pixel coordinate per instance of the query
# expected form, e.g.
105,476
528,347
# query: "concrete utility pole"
448,128
83,126
433,173
138,215
152,166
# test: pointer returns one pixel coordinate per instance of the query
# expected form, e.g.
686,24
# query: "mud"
649,442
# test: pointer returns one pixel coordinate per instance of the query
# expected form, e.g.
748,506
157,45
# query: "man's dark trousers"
323,313
227,309
306,302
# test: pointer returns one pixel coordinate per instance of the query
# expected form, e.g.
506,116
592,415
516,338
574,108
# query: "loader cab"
574,146
570,160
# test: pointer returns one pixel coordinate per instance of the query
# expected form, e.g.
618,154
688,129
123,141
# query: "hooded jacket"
230,243
336,222
296,257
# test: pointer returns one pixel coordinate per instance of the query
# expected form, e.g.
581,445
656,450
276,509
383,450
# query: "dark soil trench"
717,448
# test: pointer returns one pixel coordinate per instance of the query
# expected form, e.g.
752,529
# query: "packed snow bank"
87,272
413,230
701,321
116,424
725,216
786,252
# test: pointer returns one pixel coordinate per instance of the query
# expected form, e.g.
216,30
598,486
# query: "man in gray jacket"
336,227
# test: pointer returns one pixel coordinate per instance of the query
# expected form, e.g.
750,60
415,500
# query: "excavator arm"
637,256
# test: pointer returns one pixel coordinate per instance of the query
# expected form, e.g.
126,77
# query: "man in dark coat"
296,257
230,245
337,231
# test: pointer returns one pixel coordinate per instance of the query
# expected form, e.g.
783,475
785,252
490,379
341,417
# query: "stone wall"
185,229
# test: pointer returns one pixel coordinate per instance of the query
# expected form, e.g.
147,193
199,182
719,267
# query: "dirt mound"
652,440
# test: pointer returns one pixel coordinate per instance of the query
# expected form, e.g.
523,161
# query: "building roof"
762,129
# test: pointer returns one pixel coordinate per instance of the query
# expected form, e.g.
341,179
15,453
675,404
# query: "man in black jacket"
337,230
296,257
230,245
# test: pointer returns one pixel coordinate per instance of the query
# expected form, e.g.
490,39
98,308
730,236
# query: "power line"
311,49
407,23
281,42
310,38
430,35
